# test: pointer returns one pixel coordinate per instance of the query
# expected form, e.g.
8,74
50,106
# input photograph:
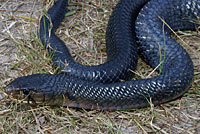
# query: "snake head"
33,88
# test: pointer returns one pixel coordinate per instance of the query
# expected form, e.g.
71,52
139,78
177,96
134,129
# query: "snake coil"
99,87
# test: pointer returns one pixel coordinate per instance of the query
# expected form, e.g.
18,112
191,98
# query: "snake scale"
134,27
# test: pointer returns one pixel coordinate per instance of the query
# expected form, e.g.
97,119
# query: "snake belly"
99,87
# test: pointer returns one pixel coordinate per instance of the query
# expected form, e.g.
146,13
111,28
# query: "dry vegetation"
83,30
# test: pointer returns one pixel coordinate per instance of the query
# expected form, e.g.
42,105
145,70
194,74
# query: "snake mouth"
32,96
28,95
15,92
36,97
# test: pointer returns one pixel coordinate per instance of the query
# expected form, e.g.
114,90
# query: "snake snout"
28,85
18,93
25,94
35,96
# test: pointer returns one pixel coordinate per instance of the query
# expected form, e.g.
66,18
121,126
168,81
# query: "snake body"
99,87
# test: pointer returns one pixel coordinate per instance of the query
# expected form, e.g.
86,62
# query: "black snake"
99,87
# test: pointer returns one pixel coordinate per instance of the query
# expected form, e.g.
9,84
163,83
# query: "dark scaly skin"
117,48
154,44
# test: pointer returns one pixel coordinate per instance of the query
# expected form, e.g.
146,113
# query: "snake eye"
26,92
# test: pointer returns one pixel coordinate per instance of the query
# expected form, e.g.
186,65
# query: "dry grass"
84,32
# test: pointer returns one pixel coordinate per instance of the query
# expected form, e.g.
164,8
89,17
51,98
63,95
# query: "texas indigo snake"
99,87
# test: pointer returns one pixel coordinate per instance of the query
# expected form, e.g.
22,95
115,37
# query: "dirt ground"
83,30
